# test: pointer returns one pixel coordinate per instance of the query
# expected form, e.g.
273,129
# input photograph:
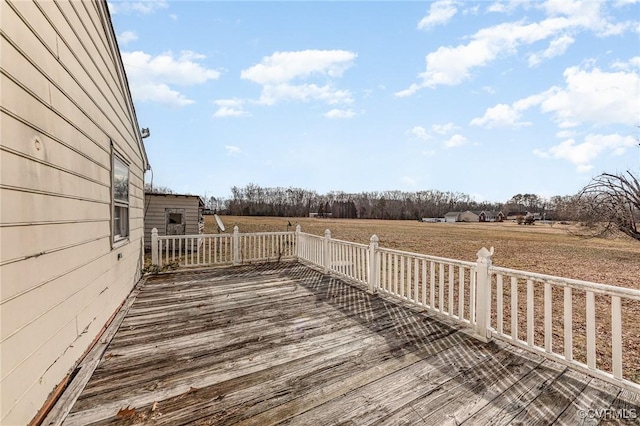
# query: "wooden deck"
284,344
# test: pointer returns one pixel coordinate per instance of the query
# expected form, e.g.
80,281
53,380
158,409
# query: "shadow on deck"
285,344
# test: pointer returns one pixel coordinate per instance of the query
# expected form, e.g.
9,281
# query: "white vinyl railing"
541,313
221,249
441,285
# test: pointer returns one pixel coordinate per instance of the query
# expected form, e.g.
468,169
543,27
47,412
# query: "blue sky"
486,98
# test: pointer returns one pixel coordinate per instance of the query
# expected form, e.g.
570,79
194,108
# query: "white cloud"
230,108
150,76
440,12
452,65
455,141
127,36
232,150
506,6
340,113
557,47
443,129
500,115
593,145
627,66
589,96
272,94
565,134
280,73
595,96
419,132
282,67
158,92
173,17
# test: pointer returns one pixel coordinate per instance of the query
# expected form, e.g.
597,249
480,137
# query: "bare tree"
611,202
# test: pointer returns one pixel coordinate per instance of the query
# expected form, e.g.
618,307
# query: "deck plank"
284,344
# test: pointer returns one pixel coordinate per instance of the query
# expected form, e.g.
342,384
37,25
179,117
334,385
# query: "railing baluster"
395,274
461,292
499,304
530,312
514,308
424,282
568,324
402,288
441,287
472,296
548,331
616,336
432,284
416,279
591,330
451,280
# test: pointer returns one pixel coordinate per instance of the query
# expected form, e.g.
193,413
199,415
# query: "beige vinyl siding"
64,109
155,207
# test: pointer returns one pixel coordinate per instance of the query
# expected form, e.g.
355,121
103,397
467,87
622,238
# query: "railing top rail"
268,233
312,235
428,257
173,237
610,290
333,240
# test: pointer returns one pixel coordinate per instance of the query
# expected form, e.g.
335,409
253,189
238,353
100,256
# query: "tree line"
609,203
255,200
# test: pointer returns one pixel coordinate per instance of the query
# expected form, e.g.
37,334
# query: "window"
120,199
175,218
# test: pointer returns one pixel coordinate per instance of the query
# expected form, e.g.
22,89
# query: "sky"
490,98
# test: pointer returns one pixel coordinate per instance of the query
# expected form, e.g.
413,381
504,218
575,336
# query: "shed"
172,214
452,217
73,163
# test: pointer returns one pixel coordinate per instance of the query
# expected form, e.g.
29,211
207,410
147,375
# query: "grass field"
540,248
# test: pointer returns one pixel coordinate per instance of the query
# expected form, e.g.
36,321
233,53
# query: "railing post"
327,251
298,245
373,264
236,245
483,294
154,247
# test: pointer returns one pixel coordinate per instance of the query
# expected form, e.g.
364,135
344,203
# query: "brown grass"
541,248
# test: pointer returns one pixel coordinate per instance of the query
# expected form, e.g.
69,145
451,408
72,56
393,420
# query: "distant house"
514,215
172,214
466,216
490,216
73,166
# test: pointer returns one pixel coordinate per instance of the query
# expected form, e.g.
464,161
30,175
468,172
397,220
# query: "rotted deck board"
284,344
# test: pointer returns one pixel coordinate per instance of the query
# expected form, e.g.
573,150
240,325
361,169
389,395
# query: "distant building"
466,216
172,214
490,216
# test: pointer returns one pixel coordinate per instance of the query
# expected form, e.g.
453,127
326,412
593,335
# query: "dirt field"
540,248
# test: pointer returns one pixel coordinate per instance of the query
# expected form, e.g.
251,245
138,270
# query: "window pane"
121,221
120,180
175,218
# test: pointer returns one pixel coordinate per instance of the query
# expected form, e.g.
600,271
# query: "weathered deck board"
283,344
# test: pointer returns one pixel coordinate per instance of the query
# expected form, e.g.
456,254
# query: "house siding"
155,207
64,107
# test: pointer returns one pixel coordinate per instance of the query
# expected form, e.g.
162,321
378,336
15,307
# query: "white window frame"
120,226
